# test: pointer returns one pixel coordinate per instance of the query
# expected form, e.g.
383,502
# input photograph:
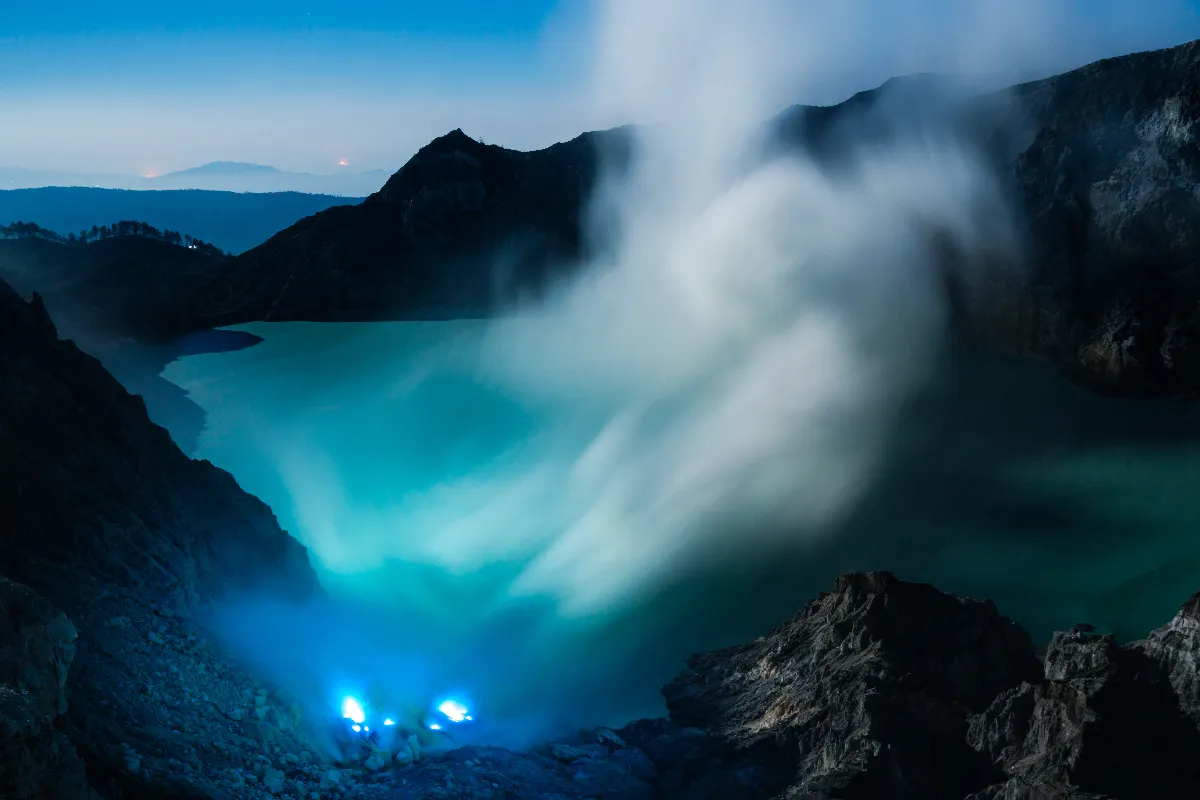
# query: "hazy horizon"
362,88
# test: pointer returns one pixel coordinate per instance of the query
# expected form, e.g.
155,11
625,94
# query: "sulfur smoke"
719,386
754,323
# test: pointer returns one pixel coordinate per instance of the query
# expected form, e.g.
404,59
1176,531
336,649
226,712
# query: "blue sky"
139,86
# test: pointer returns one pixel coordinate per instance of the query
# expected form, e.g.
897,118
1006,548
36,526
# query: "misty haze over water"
425,491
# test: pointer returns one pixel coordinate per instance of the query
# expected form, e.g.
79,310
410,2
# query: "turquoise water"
424,489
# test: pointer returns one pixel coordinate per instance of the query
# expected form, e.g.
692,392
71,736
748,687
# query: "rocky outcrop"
886,689
1104,720
1175,647
865,693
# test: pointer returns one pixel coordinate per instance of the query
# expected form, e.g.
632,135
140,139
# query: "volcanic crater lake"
374,446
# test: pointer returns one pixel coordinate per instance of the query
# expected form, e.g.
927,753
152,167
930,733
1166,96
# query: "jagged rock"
865,693
36,649
1176,647
1105,721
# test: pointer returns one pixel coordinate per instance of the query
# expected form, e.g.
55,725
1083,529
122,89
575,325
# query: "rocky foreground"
112,542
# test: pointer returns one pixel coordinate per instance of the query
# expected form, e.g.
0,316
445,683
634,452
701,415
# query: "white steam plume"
751,331
720,384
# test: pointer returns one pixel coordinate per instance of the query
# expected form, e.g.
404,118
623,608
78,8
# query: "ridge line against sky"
150,87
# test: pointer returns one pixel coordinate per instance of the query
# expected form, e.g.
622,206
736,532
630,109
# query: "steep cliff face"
109,522
1106,173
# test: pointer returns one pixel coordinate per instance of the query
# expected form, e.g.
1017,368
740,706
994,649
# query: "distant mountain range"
230,176
233,222
226,168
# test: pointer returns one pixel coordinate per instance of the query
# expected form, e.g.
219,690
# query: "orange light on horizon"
343,163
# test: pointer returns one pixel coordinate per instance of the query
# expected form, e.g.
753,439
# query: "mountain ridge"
467,229
221,168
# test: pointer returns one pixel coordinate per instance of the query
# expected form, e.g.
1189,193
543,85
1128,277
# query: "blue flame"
353,711
453,710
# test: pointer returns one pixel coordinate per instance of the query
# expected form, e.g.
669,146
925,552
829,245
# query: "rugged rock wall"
1106,173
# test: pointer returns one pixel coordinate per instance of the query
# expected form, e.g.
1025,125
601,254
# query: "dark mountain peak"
453,157
455,138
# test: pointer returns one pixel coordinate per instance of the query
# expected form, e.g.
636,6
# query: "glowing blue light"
353,711
454,711
356,728
389,721
433,726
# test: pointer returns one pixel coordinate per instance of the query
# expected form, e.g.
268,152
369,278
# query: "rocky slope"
1101,164
110,524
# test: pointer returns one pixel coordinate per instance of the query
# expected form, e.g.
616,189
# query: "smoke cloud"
755,323
719,386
